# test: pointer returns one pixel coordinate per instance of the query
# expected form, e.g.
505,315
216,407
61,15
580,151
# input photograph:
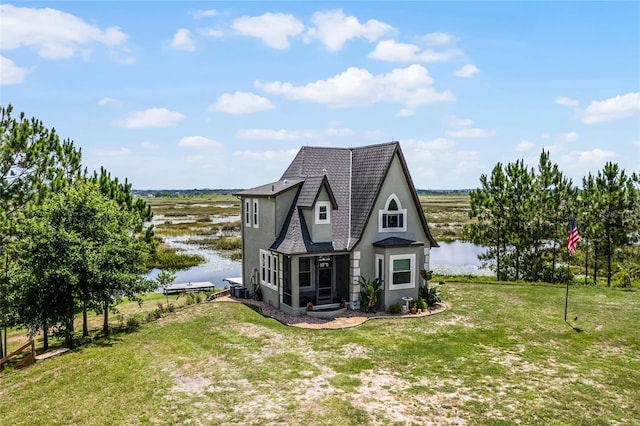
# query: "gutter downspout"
350,177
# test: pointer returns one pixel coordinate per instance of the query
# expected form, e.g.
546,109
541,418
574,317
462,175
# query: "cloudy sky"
223,94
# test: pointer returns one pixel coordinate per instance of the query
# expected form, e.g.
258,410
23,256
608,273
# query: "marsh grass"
499,355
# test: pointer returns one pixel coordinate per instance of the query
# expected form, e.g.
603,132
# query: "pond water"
457,258
215,268
454,258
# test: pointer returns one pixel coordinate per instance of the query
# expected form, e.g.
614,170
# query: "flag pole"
566,298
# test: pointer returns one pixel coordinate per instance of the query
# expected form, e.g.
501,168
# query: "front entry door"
325,280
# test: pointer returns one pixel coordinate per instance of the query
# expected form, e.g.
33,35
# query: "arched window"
393,218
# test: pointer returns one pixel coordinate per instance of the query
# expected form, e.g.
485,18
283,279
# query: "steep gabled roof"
311,189
353,178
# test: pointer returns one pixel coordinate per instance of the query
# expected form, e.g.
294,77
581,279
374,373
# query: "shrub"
396,308
133,324
370,292
198,298
421,304
170,307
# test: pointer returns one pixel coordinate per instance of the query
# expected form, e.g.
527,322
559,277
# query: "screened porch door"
325,280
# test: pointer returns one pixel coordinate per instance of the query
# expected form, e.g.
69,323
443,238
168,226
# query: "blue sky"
222,94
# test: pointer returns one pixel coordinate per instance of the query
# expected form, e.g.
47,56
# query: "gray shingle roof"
354,177
271,188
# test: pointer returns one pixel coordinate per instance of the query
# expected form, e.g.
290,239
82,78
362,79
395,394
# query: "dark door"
325,280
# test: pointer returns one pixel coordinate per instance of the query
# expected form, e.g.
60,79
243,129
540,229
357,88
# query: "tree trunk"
595,265
553,262
1,347
586,262
45,337
85,326
68,338
105,324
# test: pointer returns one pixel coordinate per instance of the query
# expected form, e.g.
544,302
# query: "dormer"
393,218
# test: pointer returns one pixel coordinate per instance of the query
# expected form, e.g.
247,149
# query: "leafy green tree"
102,259
616,199
488,208
33,162
164,280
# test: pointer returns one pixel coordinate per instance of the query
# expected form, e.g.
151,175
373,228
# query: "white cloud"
569,137
199,14
199,142
153,117
545,135
636,143
338,131
459,122
392,51
356,87
149,145
10,73
210,32
274,29
471,133
613,108
182,40
241,103
466,71
283,156
568,102
594,158
524,146
57,35
435,39
269,134
333,29
109,101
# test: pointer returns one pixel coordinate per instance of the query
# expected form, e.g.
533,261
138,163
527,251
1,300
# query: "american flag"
573,237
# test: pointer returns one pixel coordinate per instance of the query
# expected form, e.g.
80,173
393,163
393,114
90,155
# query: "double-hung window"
247,213
256,216
402,271
323,213
268,269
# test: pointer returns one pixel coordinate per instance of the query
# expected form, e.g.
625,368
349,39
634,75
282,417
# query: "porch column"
355,280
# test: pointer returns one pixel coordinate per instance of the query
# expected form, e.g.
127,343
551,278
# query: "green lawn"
502,354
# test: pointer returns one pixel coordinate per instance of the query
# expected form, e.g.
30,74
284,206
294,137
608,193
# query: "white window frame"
412,263
380,268
269,269
255,217
327,206
247,213
386,211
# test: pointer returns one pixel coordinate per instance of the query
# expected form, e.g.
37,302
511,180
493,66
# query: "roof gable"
353,178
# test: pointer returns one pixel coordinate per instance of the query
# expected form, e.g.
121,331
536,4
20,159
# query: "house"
336,214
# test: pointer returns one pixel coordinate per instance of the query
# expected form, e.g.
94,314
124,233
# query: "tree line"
522,216
70,241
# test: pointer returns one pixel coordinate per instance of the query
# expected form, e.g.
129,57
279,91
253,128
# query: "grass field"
500,355
204,215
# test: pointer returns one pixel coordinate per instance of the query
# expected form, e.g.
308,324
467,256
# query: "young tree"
616,201
102,259
33,162
488,207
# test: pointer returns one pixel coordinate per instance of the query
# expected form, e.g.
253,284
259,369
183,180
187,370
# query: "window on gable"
247,213
255,214
323,212
393,216
401,271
